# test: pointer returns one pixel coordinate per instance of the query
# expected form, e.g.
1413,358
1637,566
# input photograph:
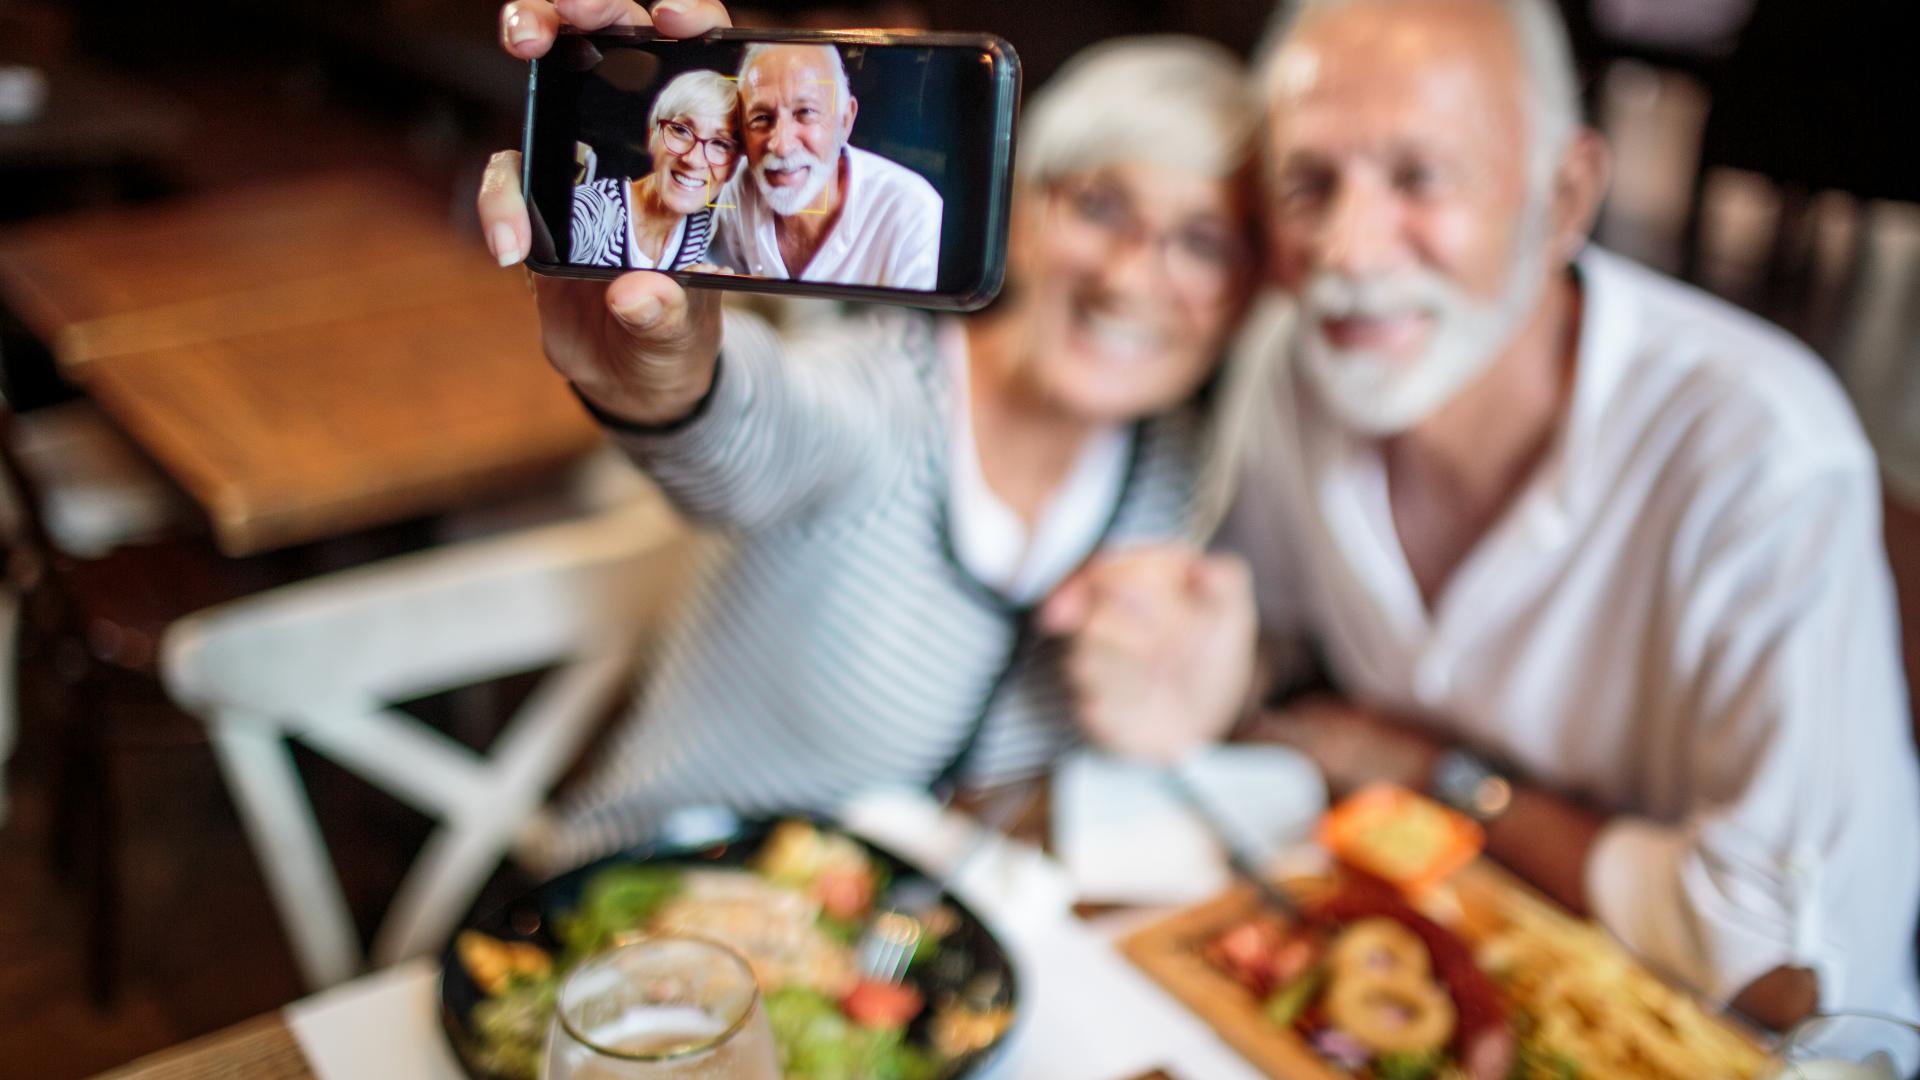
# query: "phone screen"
869,165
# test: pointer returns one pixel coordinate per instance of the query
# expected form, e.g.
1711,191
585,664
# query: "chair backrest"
432,621
322,662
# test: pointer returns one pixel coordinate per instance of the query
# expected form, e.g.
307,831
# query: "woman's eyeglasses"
681,139
1202,260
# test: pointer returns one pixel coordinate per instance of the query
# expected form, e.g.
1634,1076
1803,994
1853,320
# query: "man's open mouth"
786,177
1375,331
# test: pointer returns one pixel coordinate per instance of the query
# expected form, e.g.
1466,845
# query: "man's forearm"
1546,839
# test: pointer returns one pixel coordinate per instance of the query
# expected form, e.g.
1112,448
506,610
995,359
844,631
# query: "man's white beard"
1380,395
787,201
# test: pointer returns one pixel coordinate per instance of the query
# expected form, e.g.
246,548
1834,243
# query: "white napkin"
1127,838
386,1024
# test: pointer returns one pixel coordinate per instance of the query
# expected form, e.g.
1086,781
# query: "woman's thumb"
648,306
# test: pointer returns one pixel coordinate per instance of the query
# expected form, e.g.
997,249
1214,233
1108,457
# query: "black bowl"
968,952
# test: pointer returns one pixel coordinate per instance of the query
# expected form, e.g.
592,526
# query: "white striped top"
601,232
832,642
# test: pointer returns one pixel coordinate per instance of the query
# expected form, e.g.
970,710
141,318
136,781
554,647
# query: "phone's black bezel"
1005,78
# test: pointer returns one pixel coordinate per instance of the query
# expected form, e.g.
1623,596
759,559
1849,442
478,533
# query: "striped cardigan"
599,229
832,642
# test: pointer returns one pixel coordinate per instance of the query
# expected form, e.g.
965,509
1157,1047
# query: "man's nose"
1357,238
785,136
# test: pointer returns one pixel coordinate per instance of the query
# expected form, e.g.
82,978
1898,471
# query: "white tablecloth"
1087,1013
1090,1016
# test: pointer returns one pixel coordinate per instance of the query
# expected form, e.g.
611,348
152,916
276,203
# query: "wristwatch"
1471,786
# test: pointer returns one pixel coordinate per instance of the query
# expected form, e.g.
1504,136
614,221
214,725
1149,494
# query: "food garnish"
959,1028
1400,837
1390,1014
1284,1007
494,964
1593,1009
1374,986
882,1005
617,901
819,1042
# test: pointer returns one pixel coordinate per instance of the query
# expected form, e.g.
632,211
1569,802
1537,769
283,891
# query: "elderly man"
1595,556
817,208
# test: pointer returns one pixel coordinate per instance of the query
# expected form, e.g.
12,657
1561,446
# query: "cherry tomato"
844,894
882,1005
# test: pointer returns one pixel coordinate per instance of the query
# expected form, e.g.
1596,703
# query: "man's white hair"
1546,58
696,93
1166,100
760,48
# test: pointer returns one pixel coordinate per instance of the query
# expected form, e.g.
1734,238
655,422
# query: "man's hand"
1161,648
1352,746
641,348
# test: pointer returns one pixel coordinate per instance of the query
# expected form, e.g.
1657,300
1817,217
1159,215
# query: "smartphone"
861,164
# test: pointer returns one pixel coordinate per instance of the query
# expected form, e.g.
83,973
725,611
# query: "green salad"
794,913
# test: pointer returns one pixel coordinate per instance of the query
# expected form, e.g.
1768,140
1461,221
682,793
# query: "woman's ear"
1579,189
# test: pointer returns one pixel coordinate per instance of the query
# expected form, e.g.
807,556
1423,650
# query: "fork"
891,937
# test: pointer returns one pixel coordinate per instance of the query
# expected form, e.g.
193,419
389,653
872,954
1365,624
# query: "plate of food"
792,897
1468,976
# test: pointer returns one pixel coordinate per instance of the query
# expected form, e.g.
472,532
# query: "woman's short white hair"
1546,58
1165,100
696,93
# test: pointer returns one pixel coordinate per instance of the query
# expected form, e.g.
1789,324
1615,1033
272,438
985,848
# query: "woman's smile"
688,180
1115,335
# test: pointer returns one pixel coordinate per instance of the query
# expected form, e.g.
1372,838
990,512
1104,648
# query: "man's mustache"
1340,296
787,162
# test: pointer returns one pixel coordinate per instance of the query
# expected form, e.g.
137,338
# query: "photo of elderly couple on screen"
755,171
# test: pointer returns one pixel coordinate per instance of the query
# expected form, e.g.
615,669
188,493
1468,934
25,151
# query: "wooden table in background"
304,360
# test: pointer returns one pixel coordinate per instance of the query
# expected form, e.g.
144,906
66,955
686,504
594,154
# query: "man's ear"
853,110
1579,189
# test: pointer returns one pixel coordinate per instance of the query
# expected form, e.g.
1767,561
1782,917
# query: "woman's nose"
1137,267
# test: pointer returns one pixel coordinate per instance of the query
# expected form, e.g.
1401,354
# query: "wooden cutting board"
1478,897
1169,952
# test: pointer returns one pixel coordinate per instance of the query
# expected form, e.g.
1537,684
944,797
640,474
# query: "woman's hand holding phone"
639,347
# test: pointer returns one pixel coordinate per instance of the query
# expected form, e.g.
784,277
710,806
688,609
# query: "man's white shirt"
888,233
1685,617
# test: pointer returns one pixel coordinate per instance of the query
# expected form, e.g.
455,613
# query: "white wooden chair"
322,661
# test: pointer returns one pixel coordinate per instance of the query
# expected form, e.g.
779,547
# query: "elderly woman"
895,494
664,220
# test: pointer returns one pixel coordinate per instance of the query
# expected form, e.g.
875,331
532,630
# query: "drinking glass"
1850,1046
661,1008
